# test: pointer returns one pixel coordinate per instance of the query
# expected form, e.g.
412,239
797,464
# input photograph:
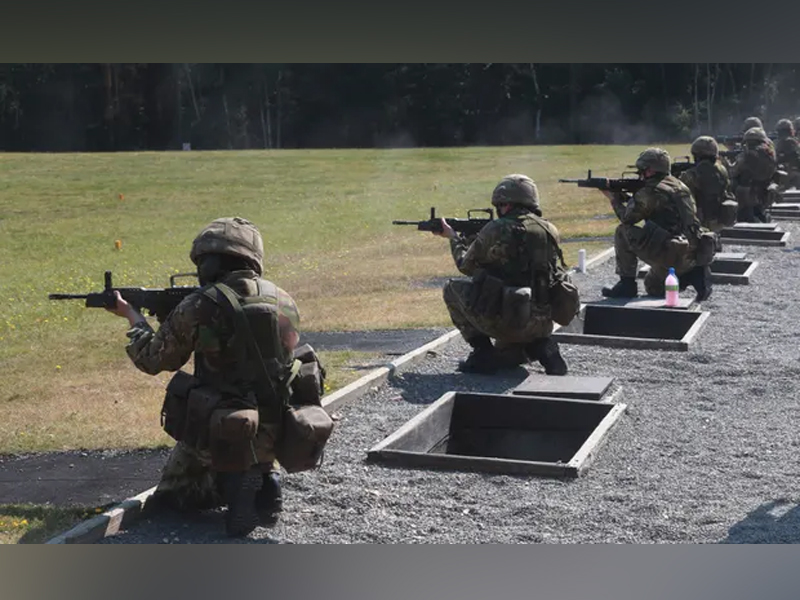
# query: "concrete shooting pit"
724,271
755,226
785,211
646,302
754,237
501,433
636,328
567,386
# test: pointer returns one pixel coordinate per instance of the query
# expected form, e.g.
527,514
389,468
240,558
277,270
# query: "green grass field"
326,220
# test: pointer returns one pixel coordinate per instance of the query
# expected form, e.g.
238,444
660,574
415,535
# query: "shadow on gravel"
776,522
423,388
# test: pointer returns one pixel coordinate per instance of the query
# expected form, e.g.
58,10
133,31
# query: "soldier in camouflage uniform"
710,186
516,250
669,237
787,152
229,251
751,176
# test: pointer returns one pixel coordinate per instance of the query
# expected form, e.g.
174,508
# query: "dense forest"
159,106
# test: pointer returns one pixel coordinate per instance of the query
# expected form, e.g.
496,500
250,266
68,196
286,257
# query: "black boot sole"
241,490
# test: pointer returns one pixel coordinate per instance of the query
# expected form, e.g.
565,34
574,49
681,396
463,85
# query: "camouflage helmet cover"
705,145
654,158
516,189
751,122
234,236
785,125
755,134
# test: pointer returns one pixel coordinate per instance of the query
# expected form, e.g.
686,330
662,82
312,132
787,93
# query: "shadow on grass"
36,524
776,522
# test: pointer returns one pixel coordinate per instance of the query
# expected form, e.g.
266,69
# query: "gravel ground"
706,452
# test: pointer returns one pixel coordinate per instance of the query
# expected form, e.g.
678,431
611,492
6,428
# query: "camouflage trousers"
508,341
633,243
188,481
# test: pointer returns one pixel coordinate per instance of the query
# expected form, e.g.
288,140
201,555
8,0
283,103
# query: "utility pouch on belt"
232,431
202,402
727,212
486,298
706,248
306,430
309,384
516,306
174,410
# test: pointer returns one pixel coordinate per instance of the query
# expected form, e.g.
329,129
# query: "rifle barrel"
67,296
405,222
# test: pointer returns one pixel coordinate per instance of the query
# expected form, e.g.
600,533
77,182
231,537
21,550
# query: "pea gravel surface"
707,451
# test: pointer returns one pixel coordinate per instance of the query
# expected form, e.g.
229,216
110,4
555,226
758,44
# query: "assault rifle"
679,167
623,184
736,140
157,302
469,226
729,154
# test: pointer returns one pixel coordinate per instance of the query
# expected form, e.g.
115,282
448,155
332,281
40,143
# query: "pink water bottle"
673,289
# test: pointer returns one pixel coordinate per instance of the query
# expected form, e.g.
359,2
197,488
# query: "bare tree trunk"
269,115
191,91
279,93
538,101
664,87
227,119
766,87
573,101
263,128
696,101
750,91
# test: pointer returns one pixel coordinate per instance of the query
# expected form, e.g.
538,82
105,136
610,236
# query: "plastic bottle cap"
672,270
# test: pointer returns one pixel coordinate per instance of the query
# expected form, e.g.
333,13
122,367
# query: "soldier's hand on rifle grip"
446,232
123,309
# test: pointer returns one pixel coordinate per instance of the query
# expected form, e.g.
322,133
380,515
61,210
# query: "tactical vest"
238,376
711,188
678,216
787,151
543,255
757,165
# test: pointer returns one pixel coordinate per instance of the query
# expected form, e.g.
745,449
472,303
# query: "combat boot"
626,287
700,280
482,359
269,499
547,353
240,495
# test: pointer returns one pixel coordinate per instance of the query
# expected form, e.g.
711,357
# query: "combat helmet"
751,122
755,134
654,158
233,236
705,146
785,126
516,189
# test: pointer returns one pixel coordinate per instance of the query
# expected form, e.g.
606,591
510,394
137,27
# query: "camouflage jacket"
710,186
508,248
665,201
755,165
787,151
200,325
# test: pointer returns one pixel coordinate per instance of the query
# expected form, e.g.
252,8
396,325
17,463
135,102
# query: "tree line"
160,106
